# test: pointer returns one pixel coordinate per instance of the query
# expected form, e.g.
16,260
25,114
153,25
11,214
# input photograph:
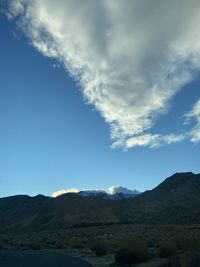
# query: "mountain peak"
181,174
109,193
179,178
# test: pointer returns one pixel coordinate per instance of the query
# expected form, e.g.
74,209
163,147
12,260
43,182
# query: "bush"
167,249
77,245
190,259
174,261
100,247
35,246
99,250
132,252
188,243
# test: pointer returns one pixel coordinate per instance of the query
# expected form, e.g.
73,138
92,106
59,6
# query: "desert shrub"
166,249
77,245
132,252
190,259
51,242
21,245
35,246
150,243
188,243
60,245
100,247
174,261
99,250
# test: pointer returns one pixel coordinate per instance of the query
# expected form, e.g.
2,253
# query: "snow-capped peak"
112,192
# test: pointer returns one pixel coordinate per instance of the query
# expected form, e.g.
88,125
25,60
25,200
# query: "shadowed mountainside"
174,201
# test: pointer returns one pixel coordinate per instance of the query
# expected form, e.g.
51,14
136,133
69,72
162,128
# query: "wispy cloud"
194,114
130,57
153,141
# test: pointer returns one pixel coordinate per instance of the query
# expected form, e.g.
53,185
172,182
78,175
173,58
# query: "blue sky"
52,139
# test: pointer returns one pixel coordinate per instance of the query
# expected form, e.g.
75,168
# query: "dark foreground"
39,259
104,246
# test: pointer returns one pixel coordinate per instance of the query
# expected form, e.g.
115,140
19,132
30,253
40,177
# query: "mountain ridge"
111,192
174,201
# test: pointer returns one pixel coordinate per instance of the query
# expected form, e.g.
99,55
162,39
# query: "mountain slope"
175,200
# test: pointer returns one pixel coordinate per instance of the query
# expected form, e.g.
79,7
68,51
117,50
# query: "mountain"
93,193
114,193
175,201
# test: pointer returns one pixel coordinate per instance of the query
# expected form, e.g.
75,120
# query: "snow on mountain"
112,192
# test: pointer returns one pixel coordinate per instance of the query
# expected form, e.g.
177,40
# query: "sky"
95,94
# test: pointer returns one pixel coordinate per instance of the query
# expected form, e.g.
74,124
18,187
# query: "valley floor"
115,245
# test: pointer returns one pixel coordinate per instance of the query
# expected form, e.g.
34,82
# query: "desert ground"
115,245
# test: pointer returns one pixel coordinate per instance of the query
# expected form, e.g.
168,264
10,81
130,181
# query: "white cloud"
119,189
16,8
64,191
153,141
130,57
194,114
111,191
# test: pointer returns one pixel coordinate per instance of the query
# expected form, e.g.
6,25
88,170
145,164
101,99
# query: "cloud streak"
153,141
194,114
130,57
